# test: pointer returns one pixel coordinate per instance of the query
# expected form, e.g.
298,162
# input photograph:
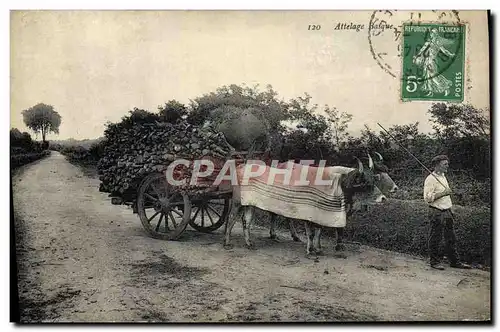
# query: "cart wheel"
209,214
163,213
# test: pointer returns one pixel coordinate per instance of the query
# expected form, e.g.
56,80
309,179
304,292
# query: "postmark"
433,62
385,34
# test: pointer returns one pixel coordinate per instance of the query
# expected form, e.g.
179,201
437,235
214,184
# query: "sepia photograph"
250,166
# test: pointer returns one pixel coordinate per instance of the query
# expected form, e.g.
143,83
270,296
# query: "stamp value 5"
433,62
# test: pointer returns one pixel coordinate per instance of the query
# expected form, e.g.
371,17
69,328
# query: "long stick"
411,154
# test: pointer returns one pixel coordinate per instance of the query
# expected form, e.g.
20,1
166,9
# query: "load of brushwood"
242,127
142,144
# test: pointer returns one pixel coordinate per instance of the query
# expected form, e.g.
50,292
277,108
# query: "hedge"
19,160
467,190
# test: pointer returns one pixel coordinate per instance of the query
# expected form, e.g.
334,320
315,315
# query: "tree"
42,118
18,139
406,134
463,132
235,109
307,119
135,116
172,111
413,140
311,138
370,140
339,121
211,106
459,120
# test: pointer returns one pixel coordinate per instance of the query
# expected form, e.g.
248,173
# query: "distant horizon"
354,133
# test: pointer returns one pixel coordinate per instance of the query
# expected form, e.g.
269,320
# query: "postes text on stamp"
433,62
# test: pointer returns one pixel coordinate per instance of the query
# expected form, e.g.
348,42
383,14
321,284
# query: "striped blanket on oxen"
320,203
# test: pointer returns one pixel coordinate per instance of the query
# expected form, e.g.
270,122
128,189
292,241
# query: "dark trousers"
442,224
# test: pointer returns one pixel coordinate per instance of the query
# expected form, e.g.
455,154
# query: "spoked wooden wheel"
164,213
209,214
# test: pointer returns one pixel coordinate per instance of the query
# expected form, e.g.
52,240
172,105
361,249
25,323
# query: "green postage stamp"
433,62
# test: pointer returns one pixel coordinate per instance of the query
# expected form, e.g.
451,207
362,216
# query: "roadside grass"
21,159
402,226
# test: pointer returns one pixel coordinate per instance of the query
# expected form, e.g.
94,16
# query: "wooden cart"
165,211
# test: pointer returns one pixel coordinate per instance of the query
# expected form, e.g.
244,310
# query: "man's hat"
438,159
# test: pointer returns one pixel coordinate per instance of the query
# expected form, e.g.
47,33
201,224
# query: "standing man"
437,194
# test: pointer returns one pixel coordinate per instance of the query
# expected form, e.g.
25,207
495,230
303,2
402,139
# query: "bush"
24,150
14,150
241,127
20,140
55,146
468,191
83,155
19,160
138,116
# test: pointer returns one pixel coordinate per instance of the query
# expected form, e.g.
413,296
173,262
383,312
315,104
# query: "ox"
383,185
313,204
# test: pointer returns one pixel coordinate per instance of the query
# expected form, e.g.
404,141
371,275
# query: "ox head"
360,179
370,184
380,172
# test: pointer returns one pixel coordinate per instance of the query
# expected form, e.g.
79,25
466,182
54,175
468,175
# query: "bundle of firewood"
134,151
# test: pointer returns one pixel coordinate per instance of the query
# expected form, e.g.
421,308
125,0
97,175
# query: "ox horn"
360,165
370,161
379,156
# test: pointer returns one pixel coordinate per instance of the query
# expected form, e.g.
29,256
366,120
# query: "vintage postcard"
250,166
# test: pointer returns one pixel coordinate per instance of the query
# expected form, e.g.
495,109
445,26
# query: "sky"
95,66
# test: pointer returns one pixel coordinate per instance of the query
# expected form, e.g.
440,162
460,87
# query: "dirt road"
82,259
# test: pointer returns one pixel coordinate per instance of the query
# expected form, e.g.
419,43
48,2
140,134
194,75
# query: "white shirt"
433,187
